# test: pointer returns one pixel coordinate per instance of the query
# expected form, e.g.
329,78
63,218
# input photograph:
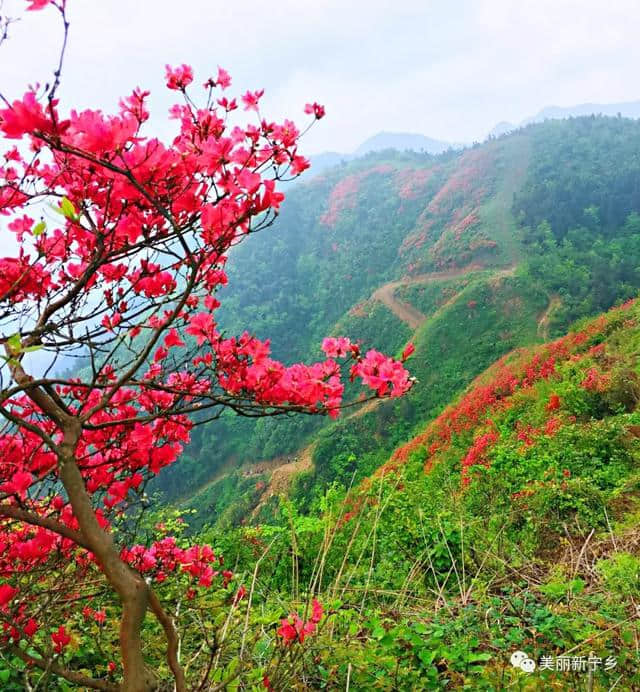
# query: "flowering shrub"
468,182
477,453
294,629
554,403
344,194
412,181
595,381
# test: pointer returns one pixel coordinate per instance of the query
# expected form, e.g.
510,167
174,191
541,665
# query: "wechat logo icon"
520,660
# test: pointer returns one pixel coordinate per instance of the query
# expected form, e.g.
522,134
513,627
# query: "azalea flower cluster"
295,629
165,556
207,182
477,453
30,547
595,381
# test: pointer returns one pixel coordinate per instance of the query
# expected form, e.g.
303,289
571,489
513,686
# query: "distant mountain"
628,109
401,141
398,141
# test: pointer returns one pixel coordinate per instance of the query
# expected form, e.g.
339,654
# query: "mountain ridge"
627,109
403,141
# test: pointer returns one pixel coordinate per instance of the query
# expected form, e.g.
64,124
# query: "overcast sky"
450,69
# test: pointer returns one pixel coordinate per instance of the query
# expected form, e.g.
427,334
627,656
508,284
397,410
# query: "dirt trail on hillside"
408,313
283,475
284,471
543,322
404,311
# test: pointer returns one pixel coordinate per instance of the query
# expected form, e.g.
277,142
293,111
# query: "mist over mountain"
411,141
397,141
403,141
628,109
502,128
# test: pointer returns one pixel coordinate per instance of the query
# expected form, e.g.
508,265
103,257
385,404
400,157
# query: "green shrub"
621,573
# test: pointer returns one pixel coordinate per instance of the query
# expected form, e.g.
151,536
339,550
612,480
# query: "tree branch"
13,512
173,640
70,675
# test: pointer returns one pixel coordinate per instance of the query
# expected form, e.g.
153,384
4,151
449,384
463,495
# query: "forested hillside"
468,255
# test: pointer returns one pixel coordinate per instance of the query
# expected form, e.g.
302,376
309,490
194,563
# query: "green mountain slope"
464,254
509,523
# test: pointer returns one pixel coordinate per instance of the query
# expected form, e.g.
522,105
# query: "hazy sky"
448,69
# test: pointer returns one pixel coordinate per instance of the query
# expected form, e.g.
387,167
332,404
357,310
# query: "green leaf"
14,342
39,228
426,656
231,669
67,208
378,632
479,656
387,641
5,675
627,636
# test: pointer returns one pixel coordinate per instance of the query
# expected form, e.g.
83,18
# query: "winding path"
411,315
543,322
282,473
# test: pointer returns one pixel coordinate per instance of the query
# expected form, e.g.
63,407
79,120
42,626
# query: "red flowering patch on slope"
411,181
595,381
453,210
516,371
459,227
344,195
468,182
477,453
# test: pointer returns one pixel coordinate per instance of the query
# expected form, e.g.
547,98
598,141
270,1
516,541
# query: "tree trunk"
128,584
